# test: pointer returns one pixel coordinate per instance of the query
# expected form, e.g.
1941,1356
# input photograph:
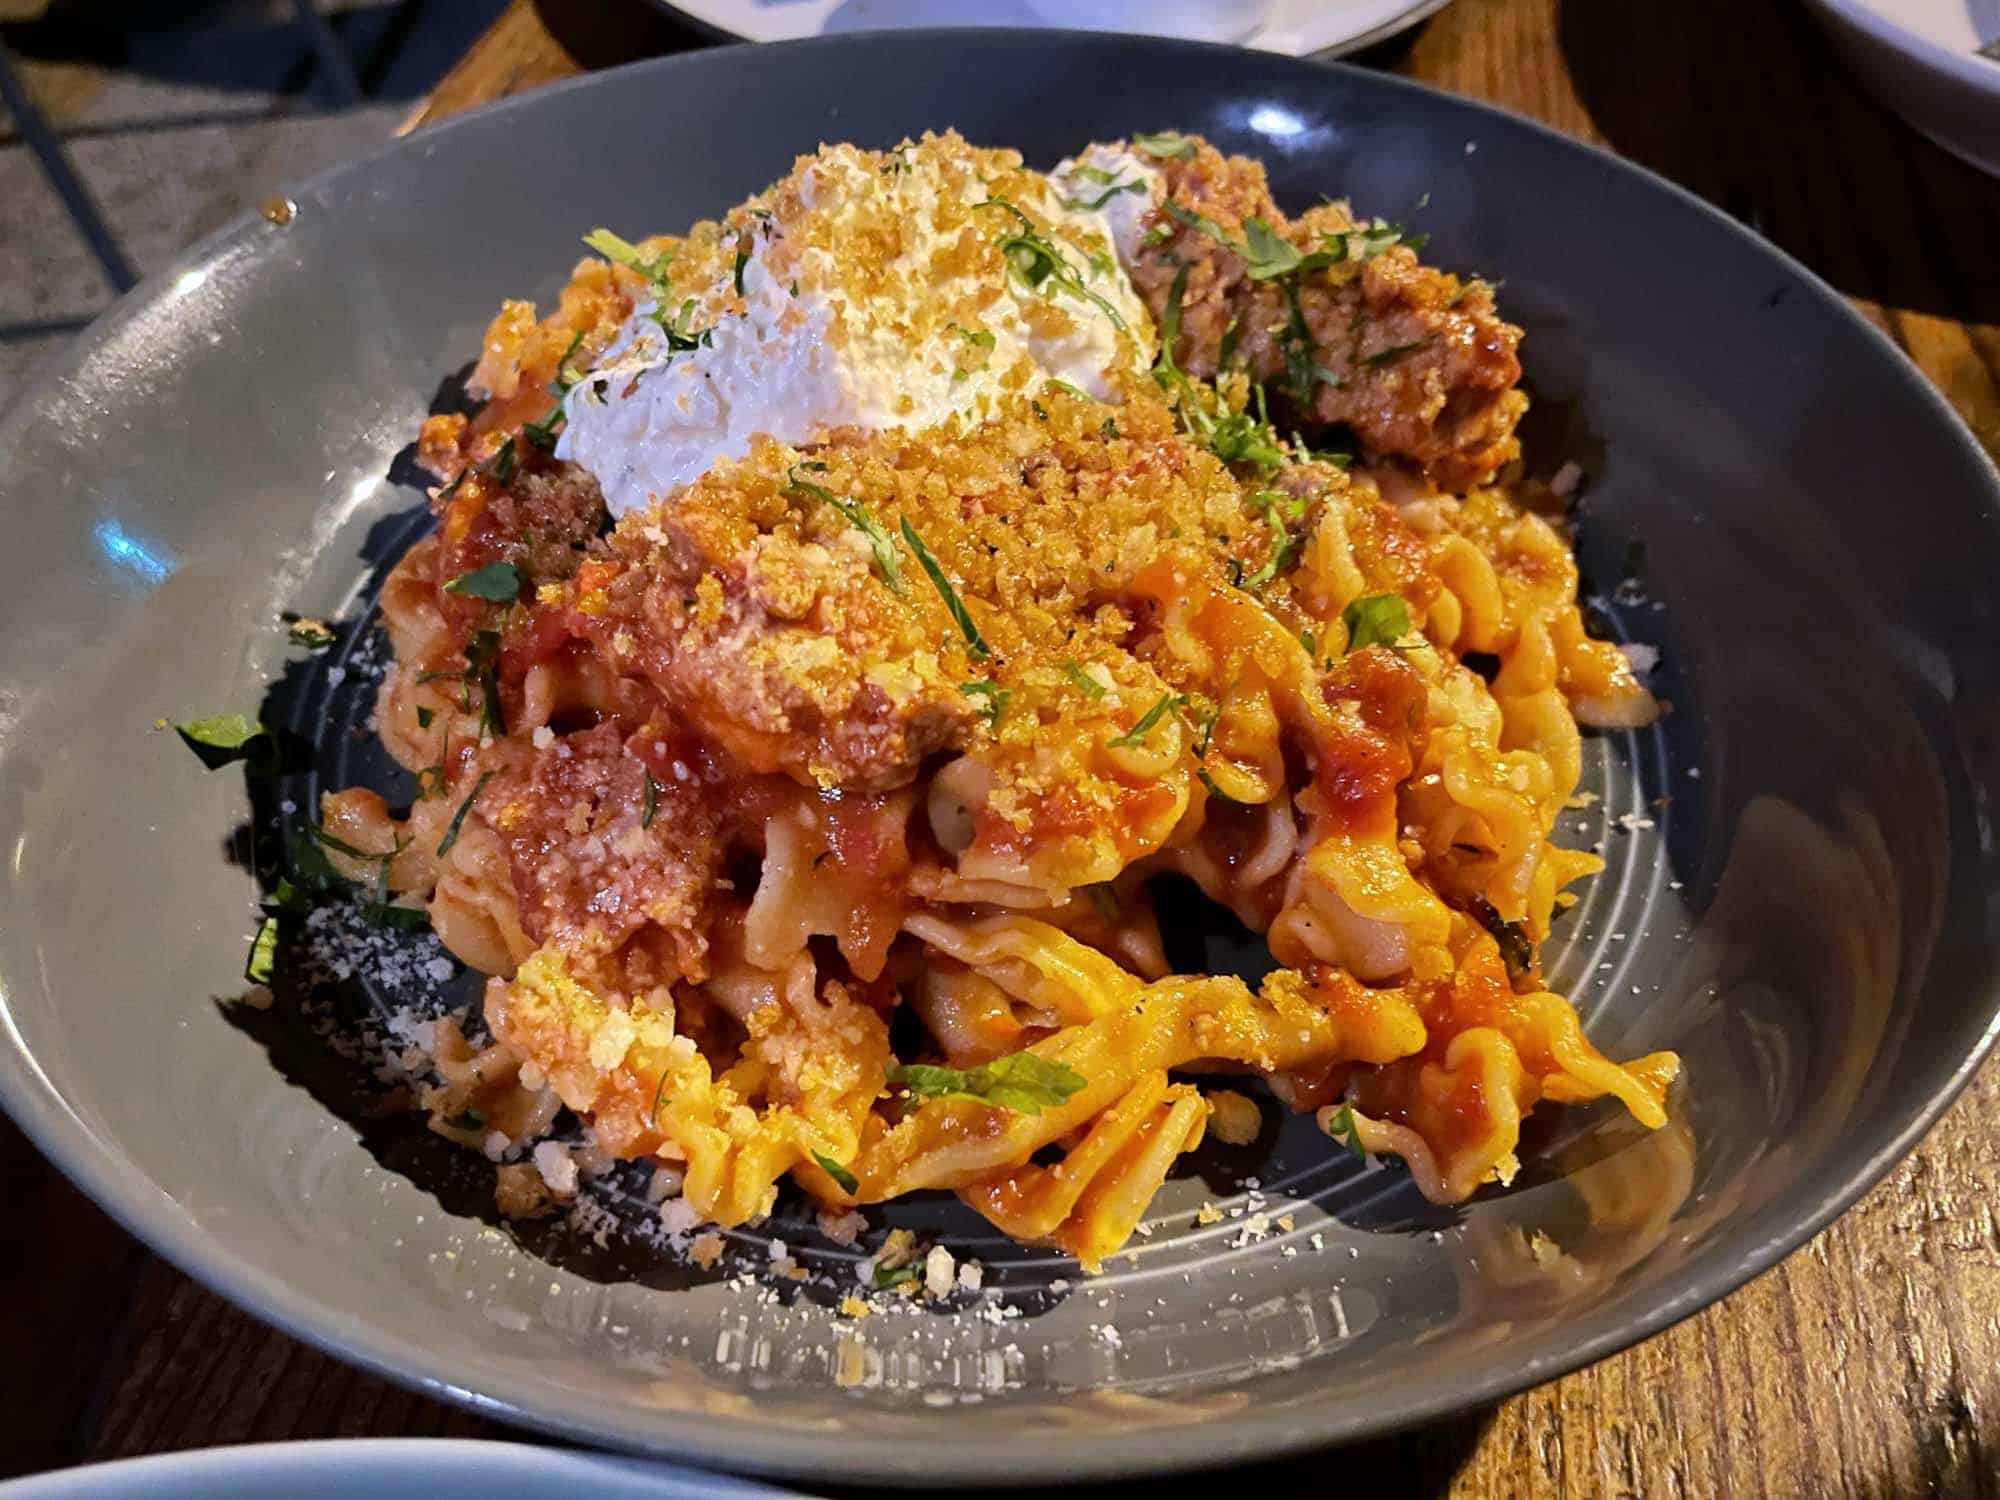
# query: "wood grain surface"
1868,1364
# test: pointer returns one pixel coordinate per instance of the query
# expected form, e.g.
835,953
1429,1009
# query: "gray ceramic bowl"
1799,898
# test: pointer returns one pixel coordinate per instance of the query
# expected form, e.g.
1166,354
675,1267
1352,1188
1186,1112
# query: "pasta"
803,804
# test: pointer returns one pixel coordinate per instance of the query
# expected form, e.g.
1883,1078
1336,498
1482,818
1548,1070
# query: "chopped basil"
886,1278
1092,205
1109,430
844,1179
1090,173
1089,686
564,381
1391,355
623,252
1340,1127
1033,259
1375,620
542,431
1069,390
1278,511
1266,253
1164,705
458,818
482,659
879,541
1024,1082
1517,949
1201,714
1234,437
681,333
651,803
263,960
981,338
498,583
996,699
424,717
225,738
1167,145
1227,352
742,257
659,1089
975,643
314,635
1366,241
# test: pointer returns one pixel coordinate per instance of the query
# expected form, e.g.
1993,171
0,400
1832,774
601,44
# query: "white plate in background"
385,1469
1298,28
1921,58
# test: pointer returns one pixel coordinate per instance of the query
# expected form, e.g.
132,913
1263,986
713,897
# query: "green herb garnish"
1034,260
458,818
623,252
497,583
742,258
1134,736
482,662
1167,145
879,541
659,1090
1089,686
1392,354
651,802
1375,620
886,1279
542,431
1517,949
1340,1127
314,635
424,717
975,643
263,960
225,738
1278,511
995,695
1091,206
1067,389
1024,1082
844,1179
1233,437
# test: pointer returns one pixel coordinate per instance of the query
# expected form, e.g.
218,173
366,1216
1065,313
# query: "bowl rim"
1967,68
100,1168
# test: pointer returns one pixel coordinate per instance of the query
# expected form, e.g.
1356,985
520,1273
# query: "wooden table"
1867,1365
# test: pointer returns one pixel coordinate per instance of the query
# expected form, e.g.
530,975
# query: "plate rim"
1413,12
381,1460
1892,35
746,1446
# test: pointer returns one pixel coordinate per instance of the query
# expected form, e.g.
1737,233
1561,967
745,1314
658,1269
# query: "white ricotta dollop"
873,295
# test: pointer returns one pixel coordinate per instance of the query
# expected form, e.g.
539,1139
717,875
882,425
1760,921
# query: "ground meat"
766,617
1417,363
595,855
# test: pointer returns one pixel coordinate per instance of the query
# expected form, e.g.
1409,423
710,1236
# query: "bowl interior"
1800,866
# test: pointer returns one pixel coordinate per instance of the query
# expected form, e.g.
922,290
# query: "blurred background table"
1868,1364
